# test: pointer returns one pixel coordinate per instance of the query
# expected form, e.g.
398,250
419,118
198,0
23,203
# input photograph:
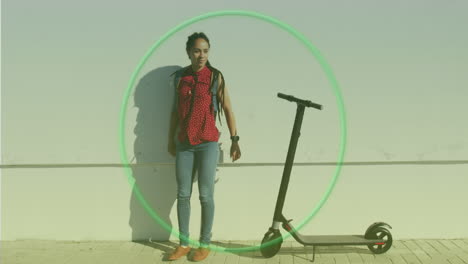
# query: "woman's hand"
235,151
171,148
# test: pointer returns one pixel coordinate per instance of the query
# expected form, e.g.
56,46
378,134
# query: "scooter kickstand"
313,253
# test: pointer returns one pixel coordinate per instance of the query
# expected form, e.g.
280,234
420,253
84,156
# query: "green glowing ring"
325,68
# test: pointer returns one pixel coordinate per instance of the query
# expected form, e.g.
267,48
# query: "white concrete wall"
400,66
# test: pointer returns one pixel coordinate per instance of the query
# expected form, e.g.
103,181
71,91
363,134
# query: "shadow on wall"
157,184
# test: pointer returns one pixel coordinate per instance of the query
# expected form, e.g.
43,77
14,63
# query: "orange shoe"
201,254
179,252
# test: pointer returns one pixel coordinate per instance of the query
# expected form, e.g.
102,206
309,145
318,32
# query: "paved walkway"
454,251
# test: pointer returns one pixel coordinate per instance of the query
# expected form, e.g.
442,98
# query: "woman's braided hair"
190,43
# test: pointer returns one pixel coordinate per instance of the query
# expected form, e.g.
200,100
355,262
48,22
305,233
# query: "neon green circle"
325,68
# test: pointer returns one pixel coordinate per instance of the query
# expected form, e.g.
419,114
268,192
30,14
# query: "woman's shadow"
155,184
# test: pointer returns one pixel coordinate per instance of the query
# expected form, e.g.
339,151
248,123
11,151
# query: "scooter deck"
337,240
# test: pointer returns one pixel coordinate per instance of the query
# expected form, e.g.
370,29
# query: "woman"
196,142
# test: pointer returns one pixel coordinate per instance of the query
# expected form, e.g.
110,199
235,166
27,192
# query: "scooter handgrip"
285,96
314,105
304,102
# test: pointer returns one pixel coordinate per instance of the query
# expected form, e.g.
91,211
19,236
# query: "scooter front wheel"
384,234
271,250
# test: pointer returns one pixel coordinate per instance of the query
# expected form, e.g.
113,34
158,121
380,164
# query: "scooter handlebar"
307,103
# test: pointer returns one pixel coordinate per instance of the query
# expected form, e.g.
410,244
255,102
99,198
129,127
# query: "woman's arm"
230,120
227,107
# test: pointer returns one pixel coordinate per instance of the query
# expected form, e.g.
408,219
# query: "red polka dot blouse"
196,118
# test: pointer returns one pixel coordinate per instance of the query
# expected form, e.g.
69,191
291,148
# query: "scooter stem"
301,104
289,162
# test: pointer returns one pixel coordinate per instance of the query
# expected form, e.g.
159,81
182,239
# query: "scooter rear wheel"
271,250
380,233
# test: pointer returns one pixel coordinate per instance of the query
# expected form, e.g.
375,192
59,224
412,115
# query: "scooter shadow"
287,248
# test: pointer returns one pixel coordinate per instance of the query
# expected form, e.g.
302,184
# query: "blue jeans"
190,158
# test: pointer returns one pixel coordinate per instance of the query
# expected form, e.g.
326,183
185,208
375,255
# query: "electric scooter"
377,236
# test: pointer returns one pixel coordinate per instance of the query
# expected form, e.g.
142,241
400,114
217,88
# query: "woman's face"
199,53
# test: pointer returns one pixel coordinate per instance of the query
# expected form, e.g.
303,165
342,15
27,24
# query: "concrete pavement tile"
7,259
341,258
28,259
428,248
82,258
421,255
7,252
4,245
127,260
398,251
110,257
102,258
284,254
139,246
104,246
218,258
448,244
127,252
148,249
300,256
464,241
232,258
437,245
259,260
324,258
20,243
455,260
286,259
417,250
383,258
126,246
145,258
367,258
437,262
462,245
463,256
411,259
354,257
397,259
56,257
124,259
397,244
273,260
73,246
436,259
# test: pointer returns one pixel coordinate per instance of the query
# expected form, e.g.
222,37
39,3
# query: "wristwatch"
235,138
